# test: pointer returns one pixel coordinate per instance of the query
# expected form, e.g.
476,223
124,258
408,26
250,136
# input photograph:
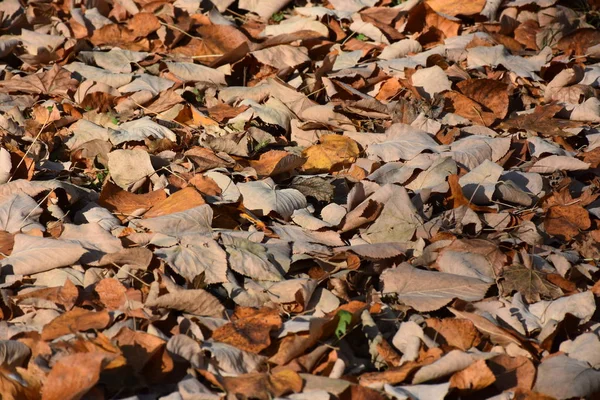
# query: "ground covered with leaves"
348,199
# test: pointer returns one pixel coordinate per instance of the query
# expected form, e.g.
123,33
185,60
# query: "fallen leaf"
428,290
532,284
265,197
275,162
477,376
264,386
124,203
456,7
459,333
76,320
250,330
56,82
567,221
334,152
181,200
65,382
194,301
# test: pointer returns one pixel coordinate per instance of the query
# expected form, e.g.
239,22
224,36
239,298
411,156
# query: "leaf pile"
353,199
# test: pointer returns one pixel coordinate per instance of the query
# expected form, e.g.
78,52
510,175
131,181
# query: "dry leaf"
334,152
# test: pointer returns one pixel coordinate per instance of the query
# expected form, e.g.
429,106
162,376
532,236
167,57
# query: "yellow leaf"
334,152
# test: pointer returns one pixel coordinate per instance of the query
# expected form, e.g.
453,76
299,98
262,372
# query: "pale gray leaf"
32,254
563,377
193,257
193,221
429,290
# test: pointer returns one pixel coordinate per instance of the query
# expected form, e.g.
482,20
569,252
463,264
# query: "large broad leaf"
454,361
19,213
563,377
92,237
32,254
531,283
400,142
429,81
116,60
196,220
196,255
264,196
398,220
130,168
55,82
429,290
250,259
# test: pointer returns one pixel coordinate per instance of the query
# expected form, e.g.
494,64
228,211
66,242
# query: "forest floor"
348,199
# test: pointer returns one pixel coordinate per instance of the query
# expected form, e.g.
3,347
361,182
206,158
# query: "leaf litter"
339,199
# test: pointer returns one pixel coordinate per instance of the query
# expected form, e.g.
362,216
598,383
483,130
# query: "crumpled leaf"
251,259
197,255
265,197
139,130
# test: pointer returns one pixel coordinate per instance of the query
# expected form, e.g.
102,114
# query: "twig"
130,274
31,145
180,30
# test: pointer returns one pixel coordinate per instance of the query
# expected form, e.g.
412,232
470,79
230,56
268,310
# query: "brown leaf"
567,221
205,185
490,93
456,7
250,330
459,199
75,320
391,376
496,334
124,203
263,386
275,162
222,111
19,384
138,347
526,34
143,24
542,121
293,346
512,373
532,284
459,333
66,295
193,301
165,101
74,375
475,377
465,107
181,200
112,293
56,82
577,43
7,241
205,159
